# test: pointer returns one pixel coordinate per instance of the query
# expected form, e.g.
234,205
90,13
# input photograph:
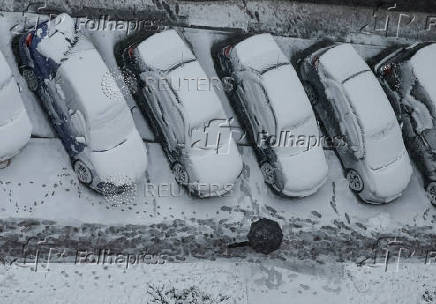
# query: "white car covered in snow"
84,105
181,111
408,77
351,104
271,104
15,126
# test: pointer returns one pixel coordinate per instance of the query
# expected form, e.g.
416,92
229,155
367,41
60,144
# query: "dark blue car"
84,104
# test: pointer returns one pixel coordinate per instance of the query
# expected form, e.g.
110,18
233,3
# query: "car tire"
310,92
431,192
31,79
4,164
269,173
83,173
180,174
355,181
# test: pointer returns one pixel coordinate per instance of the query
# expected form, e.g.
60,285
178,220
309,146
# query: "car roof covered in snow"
423,65
258,52
58,39
5,70
199,100
369,103
286,96
86,74
341,62
164,50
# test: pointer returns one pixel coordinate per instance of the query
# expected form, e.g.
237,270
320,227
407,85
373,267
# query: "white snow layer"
258,52
15,126
199,101
164,50
342,62
59,39
423,64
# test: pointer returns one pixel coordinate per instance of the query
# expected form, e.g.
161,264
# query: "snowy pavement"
241,283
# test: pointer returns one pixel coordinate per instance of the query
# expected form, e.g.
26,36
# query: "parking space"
41,184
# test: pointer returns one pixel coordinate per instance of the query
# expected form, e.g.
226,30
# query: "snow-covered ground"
28,180
40,185
242,283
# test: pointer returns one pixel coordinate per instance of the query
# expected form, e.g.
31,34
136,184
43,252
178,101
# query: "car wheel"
431,192
31,79
4,164
355,181
83,173
180,174
310,92
268,172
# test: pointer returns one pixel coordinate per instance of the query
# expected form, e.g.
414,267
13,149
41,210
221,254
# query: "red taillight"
130,51
387,69
227,50
29,38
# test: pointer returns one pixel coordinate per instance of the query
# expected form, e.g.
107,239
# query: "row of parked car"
329,83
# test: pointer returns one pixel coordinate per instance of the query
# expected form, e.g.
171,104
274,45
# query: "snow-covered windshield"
384,147
430,138
111,130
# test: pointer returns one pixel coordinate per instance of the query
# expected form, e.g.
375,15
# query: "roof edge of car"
295,60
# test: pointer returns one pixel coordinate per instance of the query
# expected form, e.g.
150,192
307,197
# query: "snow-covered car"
84,104
351,104
180,112
272,106
15,126
408,77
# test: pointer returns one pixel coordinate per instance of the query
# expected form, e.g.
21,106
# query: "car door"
246,89
348,125
159,97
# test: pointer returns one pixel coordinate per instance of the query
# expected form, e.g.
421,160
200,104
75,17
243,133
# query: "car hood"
303,173
124,163
389,182
216,168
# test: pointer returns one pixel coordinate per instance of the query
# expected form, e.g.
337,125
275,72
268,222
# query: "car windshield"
384,147
111,130
430,138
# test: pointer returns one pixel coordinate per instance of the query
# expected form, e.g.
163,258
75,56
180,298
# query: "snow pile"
259,52
423,64
164,50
